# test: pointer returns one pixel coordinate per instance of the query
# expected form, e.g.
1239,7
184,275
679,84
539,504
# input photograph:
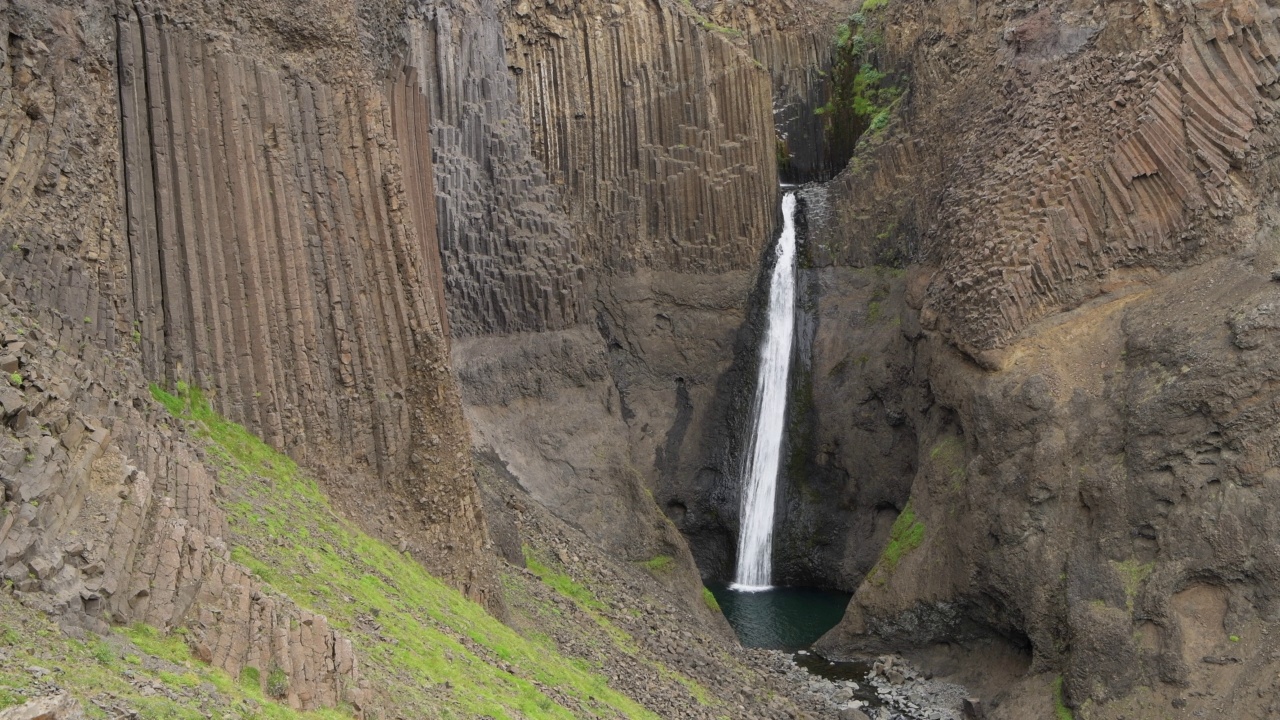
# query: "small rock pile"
892,690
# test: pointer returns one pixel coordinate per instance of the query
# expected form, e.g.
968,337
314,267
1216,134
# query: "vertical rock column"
278,260
660,128
511,260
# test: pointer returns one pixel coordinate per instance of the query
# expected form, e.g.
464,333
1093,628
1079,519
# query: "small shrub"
1234,638
277,683
15,379
103,653
709,598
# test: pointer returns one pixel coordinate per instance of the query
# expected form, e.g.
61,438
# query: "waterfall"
764,452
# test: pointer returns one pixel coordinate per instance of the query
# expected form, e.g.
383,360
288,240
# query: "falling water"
755,537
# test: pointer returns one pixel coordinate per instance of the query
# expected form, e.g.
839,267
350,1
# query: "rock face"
658,128
264,244
1084,352
1106,143
238,197
512,260
110,516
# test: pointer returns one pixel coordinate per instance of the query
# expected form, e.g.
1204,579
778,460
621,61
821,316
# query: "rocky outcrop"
851,438
1108,143
512,259
1084,349
111,516
658,128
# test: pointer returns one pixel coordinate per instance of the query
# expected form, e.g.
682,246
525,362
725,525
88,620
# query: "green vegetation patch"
709,598
1060,709
430,652
38,652
560,581
151,641
1132,574
906,535
862,96
659,564
948,455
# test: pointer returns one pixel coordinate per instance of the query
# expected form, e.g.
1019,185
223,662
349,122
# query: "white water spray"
764,453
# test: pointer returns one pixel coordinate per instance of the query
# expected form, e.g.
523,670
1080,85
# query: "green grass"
435,653
561,582
709,598
906,535
8,698
93,669
659,564
872,5
15,379
1060,709
151,641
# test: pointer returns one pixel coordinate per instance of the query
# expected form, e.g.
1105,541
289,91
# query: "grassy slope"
428,651
136,669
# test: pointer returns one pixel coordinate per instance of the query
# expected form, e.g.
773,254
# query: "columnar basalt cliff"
1124,125
1085,189
243,227
275,261
112,517
512,260
658,128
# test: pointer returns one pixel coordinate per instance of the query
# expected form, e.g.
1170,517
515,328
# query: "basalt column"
277,261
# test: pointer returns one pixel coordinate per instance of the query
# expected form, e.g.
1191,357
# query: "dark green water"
781,618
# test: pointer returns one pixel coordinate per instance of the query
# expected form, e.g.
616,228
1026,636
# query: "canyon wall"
1084,191
512,260
656,125
236,198
112,517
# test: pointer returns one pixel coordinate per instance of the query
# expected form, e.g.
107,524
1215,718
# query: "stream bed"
790,620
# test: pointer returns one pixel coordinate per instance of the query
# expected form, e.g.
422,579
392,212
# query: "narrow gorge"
855,359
